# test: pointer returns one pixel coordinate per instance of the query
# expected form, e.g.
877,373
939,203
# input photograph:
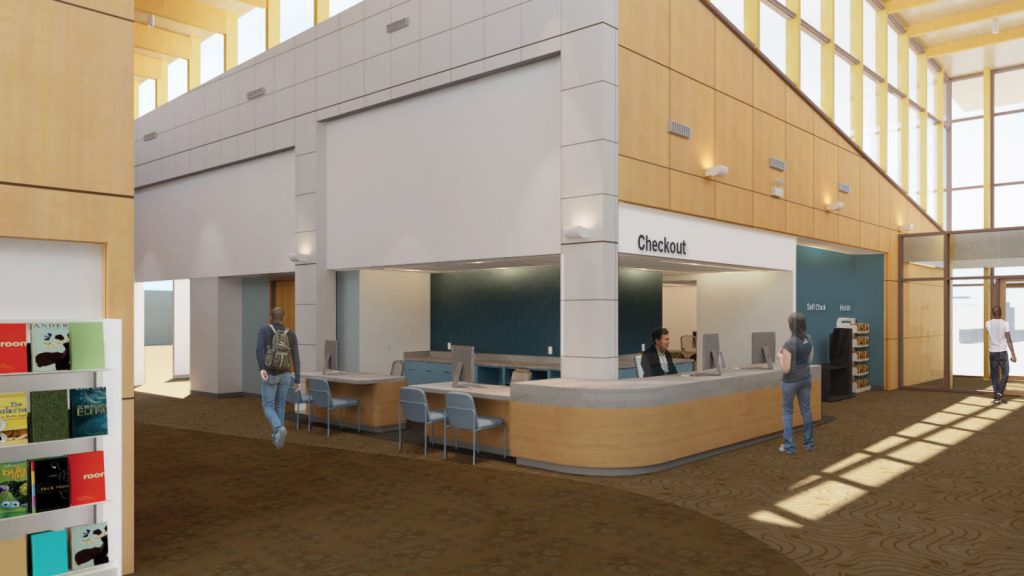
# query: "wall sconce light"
576,233
299,258
151,21
904,228
717,170
777,188
835,206
844,188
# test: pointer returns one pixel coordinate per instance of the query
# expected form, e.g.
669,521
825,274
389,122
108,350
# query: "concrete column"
217,343
590,298
181,323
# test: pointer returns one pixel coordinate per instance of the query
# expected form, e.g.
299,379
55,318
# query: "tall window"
894,56
810,12
810,67
773,36
968,98
931,168
870,35
967,209
1008,148
872,136
843,95
1008,91
296,16
894,147
930,80
914,156
966,151
841,19
211,57
337,6
177,78
252,34
733,10
147,96
912,74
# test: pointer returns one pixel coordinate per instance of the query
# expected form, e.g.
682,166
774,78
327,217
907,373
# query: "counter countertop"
643,392
515,360
482,391
352,377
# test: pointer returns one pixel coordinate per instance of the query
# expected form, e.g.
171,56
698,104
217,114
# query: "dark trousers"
999,368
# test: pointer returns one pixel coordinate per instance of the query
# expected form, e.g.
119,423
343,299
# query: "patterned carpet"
902,483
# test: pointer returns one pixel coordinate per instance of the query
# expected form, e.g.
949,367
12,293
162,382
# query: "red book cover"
13,348
87,479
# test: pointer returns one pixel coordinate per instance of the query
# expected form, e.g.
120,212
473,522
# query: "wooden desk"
490,399
377,395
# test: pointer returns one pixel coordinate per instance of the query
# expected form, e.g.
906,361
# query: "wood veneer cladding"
608,438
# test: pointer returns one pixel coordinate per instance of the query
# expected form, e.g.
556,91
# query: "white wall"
736,304
49,280
394,317
233,221
139,348
217,340
182,327
467,172
679,310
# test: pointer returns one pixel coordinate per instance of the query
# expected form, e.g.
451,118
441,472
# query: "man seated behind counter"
657,361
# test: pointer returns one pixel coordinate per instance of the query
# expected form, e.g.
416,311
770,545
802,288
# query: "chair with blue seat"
320,393
461,411
413,403
295,398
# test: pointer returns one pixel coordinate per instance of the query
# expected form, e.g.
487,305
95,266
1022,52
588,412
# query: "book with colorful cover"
88,412
13,418
49,552
88,484
88,545
48,415
88,340
13,348
14,556
50,485
50,346
14,489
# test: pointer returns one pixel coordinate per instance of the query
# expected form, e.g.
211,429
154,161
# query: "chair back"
637,359
461,410
414,404
319,392
293,397
521,375
398,368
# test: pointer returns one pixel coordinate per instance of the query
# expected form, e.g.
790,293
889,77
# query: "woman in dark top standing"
795,360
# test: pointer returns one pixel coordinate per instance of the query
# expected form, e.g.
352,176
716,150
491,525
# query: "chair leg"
424,438
328,422
505,452
474,447
446,441
359,419
399,427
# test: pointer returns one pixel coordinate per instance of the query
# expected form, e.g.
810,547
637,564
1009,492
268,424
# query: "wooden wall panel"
692,32
769,142
644,28
826,226
734,204
734,65
118,8
692,104
769,213
799,220
869,193
799,166
892,359
769,90
826,174
643,109
849,174
849,231
798,112
68,123
643,183
734,143
692,195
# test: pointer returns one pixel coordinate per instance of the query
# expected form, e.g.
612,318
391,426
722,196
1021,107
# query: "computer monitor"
332,355
467,356
762,346
709,345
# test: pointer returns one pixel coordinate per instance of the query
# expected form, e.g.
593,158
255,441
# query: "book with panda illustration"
13,418
50,346
88,545
14,489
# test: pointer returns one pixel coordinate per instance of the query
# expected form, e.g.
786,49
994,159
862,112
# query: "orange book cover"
13,348
88,483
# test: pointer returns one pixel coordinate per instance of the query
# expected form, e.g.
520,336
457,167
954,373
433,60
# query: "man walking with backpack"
277,351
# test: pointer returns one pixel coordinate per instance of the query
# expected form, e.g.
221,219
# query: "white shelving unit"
111,444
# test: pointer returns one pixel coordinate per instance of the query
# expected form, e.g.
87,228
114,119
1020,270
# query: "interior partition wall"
948,284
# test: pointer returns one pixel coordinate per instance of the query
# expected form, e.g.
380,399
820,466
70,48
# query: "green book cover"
48,415
14,489
88,340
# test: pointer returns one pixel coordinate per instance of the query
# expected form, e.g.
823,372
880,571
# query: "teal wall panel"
255,314
640,308
159,318
827,281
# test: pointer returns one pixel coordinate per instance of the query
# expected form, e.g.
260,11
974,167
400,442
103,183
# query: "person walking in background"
277,351
795,359
998,342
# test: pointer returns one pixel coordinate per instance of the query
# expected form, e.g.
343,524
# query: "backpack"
279,353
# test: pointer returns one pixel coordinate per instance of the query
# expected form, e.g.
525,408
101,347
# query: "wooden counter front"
377,395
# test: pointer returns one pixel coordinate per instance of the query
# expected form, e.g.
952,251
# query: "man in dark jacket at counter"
277,351
657,360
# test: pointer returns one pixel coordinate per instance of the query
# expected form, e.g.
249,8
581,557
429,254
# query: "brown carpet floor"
902,483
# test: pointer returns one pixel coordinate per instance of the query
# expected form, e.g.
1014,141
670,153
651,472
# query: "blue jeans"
275,390
999,369
802,391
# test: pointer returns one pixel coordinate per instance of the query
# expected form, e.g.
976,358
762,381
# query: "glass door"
1013,313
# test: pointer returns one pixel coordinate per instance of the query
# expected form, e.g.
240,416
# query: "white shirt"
997,329
662,357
